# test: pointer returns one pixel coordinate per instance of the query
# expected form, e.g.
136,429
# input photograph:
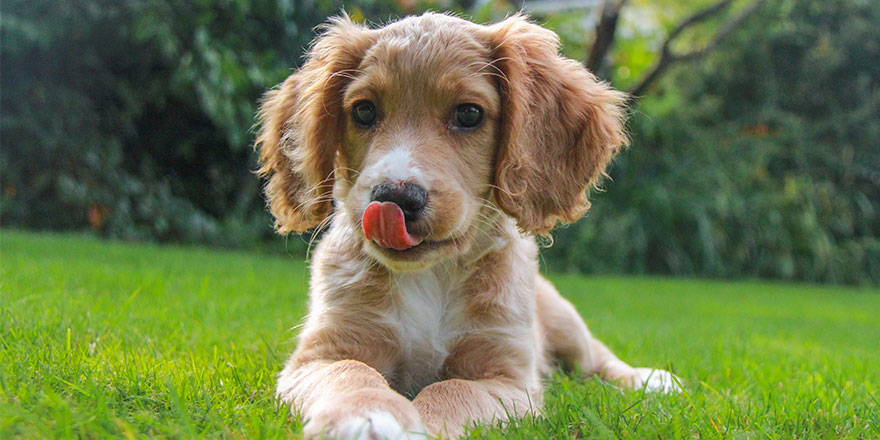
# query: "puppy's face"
421,131
425,128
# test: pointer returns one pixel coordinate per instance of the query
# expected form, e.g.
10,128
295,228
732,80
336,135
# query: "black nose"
411,198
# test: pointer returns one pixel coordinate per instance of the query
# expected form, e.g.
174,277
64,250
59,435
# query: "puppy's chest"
429,316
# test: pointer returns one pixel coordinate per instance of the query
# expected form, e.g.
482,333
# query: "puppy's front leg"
346,400
447,407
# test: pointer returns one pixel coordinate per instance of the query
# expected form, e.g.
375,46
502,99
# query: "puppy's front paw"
374,425
658,381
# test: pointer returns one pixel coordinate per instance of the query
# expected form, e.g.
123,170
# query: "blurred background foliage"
762,159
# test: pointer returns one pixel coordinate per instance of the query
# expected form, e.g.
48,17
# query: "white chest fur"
428,314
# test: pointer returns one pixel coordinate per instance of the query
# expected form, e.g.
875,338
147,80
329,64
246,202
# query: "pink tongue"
384,223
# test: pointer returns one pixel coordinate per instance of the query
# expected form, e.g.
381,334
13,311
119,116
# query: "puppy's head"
423,129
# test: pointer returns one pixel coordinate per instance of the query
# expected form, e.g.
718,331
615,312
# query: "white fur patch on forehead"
396,165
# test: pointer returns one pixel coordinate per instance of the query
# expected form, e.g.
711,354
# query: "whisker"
308,203
315,234
485,203
352,170
342,73
509,194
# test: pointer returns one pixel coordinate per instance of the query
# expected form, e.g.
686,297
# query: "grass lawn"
103,339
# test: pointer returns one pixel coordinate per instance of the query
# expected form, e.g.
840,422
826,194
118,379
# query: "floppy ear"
302,126
560,127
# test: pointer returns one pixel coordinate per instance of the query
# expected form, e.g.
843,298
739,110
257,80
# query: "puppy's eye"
364,113
468,116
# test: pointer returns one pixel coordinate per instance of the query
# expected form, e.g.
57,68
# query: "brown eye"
364,113
468,116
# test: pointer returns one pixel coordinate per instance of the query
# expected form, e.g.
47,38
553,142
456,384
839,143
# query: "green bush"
134,118
762,161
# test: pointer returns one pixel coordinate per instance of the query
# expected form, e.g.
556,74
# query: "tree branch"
696,18
724,32
606,28
667,57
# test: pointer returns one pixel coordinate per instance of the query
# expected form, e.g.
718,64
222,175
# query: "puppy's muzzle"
391,207
410,197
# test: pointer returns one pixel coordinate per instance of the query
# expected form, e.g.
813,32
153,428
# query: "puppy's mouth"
384,224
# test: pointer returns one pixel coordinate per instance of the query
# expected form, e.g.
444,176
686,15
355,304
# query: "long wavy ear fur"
302,126
560,127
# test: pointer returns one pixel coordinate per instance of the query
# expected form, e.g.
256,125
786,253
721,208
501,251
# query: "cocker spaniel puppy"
433,150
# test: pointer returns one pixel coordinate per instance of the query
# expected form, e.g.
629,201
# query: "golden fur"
462,324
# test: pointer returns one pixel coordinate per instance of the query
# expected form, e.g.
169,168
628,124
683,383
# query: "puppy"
433,150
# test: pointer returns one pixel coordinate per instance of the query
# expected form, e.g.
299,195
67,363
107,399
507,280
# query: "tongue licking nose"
384,223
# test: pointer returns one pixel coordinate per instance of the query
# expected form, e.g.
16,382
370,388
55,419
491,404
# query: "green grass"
107,339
